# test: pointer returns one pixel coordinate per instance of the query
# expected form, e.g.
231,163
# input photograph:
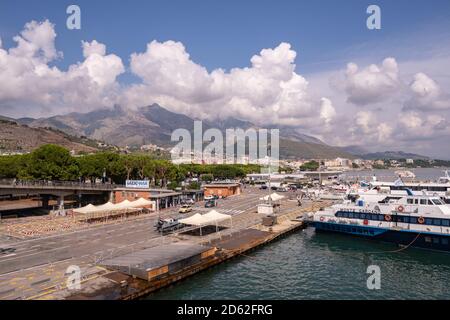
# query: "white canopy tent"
211,218
105,207
110,209
274,196
195,220
109,206
215,216
125,204
89,208
141,202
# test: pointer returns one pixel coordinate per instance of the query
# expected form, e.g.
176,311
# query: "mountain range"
154,125
21,138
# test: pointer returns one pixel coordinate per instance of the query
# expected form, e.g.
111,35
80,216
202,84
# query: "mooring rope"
398,250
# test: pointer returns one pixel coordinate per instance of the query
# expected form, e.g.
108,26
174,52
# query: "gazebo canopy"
125,204
211,217
89,208
141,202
105,207
274,196
109,206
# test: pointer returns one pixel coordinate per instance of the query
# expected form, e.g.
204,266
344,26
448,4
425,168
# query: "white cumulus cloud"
371,84
269,91
29,81
426,95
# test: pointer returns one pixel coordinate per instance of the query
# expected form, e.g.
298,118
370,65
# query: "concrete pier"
25,262
233,245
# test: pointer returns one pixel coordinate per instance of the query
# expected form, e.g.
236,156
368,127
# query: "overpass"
58,189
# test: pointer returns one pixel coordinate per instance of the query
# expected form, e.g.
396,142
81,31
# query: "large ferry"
411,220
439,188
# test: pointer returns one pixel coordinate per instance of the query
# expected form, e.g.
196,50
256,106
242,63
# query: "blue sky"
313,65
227,33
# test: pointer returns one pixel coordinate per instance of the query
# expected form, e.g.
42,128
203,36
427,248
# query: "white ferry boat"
411,220
440,188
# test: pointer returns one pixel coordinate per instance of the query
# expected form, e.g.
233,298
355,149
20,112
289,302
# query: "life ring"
421,220
400,208
388,217
366,222
322,219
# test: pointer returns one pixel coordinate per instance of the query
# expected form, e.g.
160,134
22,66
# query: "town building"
224,189
163,198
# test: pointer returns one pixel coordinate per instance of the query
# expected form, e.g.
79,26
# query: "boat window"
423,201
428,221
427,239
351,215
362,216
436,202
416,201
430,203
436,240
406,219
410,201
437,222
445,222
375,217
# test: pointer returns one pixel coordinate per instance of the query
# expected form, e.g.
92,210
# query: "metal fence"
59,184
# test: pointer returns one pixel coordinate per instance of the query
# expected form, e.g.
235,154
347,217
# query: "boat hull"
425,240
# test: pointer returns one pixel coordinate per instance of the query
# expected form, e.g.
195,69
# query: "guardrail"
62,184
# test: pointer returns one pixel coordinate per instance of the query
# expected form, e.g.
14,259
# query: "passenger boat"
439,188
405,174
411,220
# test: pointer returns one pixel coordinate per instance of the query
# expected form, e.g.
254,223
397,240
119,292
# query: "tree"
93,166
207,177
194,186
162,168
128,164
10,166
50,162
310,166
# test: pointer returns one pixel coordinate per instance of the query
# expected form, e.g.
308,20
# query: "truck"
167,225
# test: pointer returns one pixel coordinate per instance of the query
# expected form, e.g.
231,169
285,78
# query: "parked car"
188,201
263,187
210,204
185,208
